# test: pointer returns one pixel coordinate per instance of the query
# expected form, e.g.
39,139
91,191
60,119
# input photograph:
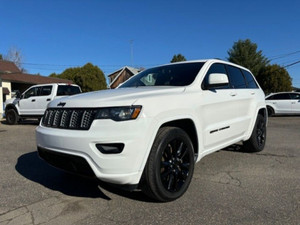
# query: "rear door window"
283,96
236,77
67,90
46,90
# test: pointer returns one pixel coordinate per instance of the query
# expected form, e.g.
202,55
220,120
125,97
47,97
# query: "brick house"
118,77
12,79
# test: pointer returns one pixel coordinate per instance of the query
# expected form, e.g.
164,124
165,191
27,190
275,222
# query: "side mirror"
18,94
217,80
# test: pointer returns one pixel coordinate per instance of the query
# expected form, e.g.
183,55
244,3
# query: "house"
118,77
12,79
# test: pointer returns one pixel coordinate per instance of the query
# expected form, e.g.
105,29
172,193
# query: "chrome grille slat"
76,119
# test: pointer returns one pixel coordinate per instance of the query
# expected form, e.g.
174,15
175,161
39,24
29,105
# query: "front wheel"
11,117
257,141
170,165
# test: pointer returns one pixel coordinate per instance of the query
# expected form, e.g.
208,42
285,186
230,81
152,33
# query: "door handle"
48,99
233,94
252,93
33,100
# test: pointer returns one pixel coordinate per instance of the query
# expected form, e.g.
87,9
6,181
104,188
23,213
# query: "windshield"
170,75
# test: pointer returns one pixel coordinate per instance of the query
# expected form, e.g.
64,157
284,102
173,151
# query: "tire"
12,117
270,111
257,141
168,173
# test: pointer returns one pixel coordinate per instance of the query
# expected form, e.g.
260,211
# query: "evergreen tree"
244,53
178,58
274,78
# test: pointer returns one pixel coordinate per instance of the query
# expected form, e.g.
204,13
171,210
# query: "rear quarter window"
250,80
67,90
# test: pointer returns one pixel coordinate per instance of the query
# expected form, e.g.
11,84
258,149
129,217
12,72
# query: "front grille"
77,119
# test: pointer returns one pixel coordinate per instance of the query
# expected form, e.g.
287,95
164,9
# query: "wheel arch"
11,106
189,127
263,112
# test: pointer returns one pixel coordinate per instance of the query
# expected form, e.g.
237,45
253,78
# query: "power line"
292,64
283,55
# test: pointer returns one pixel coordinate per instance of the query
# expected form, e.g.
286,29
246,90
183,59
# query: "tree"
15,55
88,77
1,57
274,78
178,58
244,53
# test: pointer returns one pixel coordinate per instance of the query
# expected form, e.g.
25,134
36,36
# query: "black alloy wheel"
170,165
257,141
175,165
261,133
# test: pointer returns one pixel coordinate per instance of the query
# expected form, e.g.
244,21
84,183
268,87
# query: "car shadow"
33,168
24,122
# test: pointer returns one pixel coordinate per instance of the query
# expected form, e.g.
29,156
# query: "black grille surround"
69,118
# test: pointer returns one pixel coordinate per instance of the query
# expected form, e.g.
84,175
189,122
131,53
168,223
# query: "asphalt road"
228,187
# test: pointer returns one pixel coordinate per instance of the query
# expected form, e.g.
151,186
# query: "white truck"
149,132
33,102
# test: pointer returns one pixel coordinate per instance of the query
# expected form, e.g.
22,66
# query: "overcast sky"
54,35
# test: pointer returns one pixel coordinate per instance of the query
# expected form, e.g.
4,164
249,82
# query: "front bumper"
76,150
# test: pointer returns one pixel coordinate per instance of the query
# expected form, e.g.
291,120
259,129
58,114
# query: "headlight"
119,113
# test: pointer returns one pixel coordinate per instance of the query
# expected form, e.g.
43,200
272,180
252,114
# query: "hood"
115,97
11,101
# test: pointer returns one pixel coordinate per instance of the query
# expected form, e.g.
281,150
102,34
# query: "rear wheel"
257,141
12,116
270,111
170,165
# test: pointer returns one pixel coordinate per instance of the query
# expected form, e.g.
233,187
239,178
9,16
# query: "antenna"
131,52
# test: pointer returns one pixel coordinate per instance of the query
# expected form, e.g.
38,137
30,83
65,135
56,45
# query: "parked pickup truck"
33,102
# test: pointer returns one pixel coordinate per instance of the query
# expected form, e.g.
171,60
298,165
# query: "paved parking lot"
229,187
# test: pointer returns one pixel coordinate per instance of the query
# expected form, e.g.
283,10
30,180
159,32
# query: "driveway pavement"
229,187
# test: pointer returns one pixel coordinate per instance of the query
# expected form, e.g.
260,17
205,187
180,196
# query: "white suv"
283,103
150,131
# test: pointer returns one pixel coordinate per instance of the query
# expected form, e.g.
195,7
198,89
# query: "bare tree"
15,55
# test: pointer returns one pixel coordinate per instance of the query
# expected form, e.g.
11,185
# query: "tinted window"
250,80
295,96
67,90
31,92
215,68
170,75
46,90
281,97
237,79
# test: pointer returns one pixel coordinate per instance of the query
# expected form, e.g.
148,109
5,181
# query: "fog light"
110,148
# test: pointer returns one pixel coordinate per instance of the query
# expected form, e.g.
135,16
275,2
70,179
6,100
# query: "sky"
54,35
